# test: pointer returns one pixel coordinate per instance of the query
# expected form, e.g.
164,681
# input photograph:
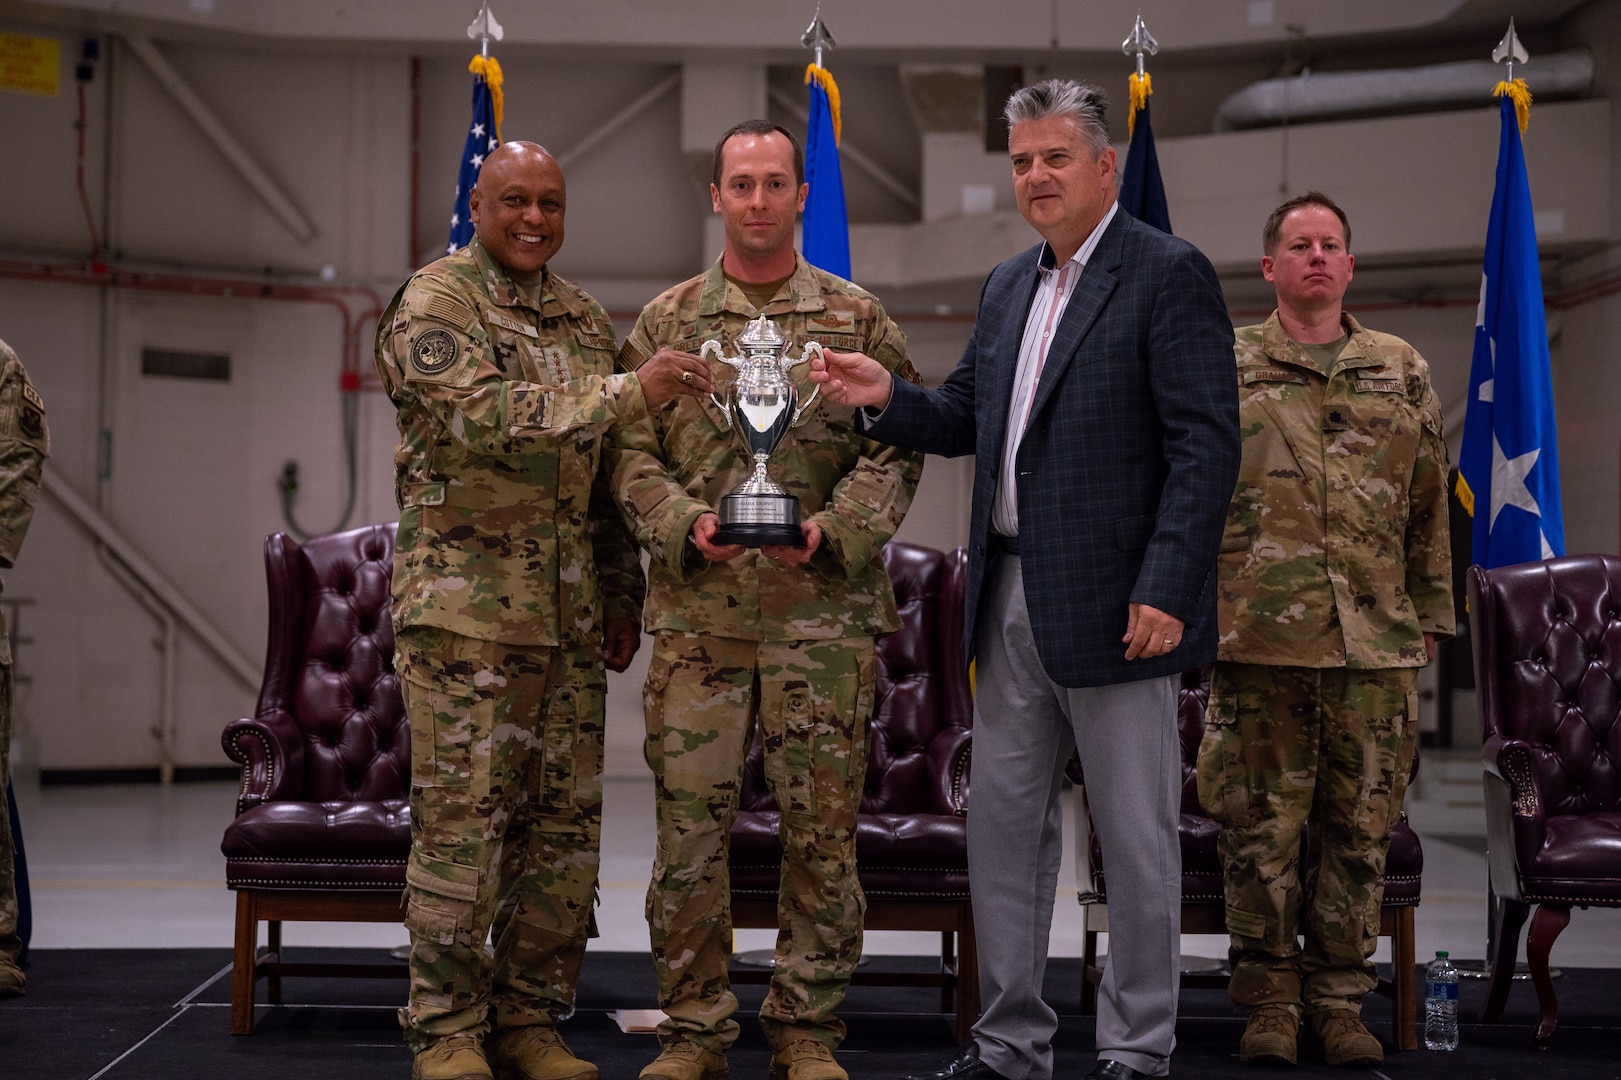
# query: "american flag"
481,139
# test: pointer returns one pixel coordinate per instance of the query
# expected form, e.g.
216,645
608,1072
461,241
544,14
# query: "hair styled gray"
1080,102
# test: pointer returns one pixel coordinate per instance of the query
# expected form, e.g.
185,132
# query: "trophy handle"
811,348
705,350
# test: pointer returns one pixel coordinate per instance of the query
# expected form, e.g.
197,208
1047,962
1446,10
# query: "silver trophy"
762,403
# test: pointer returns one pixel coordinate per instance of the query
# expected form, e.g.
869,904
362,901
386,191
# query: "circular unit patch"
433,351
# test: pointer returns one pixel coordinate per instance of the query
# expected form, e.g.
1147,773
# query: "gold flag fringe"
1520,94
1140,89
489,69
824,78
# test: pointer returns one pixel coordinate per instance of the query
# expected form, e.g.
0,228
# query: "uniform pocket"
658,678
441,704
1222,773
442,899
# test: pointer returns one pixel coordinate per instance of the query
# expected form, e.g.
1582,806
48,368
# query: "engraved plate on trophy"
762,403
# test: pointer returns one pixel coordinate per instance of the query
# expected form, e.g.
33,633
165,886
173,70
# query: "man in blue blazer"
1097,394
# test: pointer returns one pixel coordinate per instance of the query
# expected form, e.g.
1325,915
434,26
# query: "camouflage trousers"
1284,747
506,817
10,944
812,701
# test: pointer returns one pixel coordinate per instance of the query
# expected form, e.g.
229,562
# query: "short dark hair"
1274,224
759,127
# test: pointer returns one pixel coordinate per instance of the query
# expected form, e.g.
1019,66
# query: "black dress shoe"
1110,1069
965,1066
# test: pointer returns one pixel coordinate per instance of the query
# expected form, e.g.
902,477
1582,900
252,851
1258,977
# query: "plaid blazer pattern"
1129,458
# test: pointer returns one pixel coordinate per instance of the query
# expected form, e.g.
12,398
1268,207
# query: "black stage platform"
124,1014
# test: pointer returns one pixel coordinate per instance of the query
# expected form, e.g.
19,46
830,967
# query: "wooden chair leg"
1546,924
243,960
967,978
273,982
1508,916
948,963
1089,967
1404,984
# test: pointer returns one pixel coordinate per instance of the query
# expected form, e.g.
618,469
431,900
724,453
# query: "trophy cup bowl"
763,404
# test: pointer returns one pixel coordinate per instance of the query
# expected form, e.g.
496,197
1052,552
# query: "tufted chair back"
329,664
323,826
1547,644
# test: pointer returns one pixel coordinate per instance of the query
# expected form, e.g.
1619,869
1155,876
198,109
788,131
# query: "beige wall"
193,466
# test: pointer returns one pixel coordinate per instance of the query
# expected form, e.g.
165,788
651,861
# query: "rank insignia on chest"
554,359
433,351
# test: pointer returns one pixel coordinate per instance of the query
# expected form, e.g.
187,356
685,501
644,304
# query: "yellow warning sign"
30,65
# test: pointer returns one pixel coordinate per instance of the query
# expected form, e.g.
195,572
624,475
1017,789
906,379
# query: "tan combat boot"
806,1059
1343,1039
455,1057
683,1060
1269,1037
537,1052
12,980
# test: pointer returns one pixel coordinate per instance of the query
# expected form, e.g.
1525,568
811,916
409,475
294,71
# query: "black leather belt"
1005,545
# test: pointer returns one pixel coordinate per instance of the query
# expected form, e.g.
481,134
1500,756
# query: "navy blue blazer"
1129,459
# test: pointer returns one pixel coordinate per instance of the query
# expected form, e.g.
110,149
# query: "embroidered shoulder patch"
433,351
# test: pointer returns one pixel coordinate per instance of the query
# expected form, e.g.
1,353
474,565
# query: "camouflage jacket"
507,529
681,461
1336,549
25,443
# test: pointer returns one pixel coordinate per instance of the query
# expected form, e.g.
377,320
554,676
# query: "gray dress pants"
1024,727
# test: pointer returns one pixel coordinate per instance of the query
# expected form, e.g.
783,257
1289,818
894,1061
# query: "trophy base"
760,521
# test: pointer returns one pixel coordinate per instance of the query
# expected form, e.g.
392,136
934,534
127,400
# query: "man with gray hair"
1097,396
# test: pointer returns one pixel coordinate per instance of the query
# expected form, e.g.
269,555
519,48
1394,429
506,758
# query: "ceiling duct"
1325,95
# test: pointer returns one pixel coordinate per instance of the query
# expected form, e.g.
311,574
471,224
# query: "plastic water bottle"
1441,1004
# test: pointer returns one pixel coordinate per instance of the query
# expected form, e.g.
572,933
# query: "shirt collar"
1082,254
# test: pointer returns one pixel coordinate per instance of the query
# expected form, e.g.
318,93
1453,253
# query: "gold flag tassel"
1520,94
488,68
816,73
1140,89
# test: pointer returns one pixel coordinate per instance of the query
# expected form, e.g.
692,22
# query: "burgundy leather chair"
1547,646
1203,903
323,826
912,831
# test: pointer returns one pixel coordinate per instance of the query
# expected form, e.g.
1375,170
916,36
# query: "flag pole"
1142,191
825,231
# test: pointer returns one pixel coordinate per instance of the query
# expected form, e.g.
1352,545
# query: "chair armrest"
1509,760
1514,812
950,760
271,754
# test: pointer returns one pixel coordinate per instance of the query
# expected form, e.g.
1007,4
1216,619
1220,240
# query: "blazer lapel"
1097,283
1009,336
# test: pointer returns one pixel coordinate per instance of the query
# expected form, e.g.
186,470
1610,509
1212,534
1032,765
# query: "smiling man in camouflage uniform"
514,581
1334,581
24,445
781,637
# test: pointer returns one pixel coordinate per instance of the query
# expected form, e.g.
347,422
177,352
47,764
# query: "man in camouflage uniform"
24,445
1334,581
514,580
781,637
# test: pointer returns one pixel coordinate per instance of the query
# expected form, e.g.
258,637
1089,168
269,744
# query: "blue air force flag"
825,232
1142,192
1508,469
483,135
